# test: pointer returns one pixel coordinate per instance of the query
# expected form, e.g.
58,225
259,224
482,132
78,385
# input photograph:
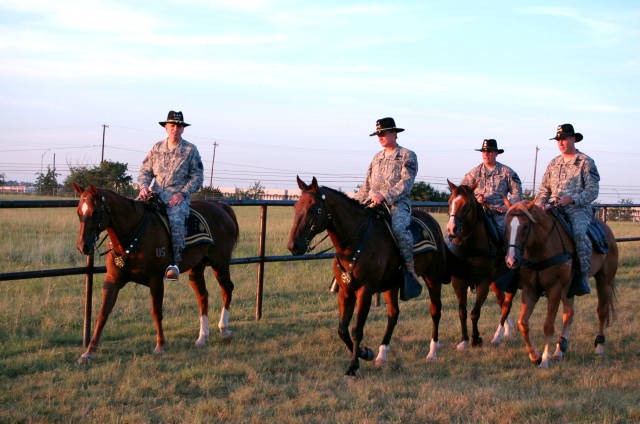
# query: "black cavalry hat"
174,118
386,124
566,130
490,145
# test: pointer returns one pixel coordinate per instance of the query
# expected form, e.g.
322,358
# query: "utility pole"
212,161
535,166
104,129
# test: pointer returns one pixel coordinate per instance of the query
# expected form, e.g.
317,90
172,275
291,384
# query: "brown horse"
474,260
140,247
367,261
544,252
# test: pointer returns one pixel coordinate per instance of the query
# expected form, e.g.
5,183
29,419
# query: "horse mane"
138,205
522,206
343,195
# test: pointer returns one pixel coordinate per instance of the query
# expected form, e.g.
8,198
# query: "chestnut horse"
146,256
475,260
367,261
544,252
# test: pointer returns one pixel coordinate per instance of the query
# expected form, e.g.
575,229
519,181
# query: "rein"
104,208
346,273
546,263
460,250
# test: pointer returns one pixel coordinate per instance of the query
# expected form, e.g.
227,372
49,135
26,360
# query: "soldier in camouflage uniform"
572,181
495,181
175,167
390,178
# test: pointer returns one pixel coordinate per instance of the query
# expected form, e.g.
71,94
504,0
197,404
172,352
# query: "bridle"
318,212
459,219
546,263
104,224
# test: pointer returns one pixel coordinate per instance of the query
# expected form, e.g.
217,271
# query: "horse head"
519,221
311,217
94,218
463,207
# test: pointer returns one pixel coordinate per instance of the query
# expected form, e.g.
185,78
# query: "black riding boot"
411,286
508,282
579,286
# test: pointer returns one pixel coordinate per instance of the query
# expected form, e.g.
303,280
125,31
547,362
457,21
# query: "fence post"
88,297
261,252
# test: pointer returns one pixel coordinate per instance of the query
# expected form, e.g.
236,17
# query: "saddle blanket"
198,231
423,239
595,231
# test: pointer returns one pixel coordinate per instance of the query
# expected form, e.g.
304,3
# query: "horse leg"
529,301
482,290
363,305
553,304
393,311
157,295
567,320
435,309
226,289
346,305
109,296
460,288
197,282
505,327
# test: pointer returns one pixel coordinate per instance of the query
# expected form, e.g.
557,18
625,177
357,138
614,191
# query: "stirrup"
172,273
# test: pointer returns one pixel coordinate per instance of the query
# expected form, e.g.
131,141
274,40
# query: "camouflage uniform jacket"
392,175
496,184
177,170
578,179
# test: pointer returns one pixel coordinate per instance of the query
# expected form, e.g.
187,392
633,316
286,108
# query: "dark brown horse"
544,252
367,261
475,260
140,247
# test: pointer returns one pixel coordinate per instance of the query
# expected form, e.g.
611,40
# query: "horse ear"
452,186
531,204
314,184
77,188
474,186
507,202
92,190
301,184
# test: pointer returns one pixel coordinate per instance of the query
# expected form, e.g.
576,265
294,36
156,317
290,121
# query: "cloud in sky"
266,74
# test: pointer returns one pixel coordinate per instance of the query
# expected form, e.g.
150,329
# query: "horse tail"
229,210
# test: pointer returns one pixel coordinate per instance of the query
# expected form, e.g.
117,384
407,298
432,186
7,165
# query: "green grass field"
287,367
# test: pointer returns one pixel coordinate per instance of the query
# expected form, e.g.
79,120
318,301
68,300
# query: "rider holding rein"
390,179
175,167
573,182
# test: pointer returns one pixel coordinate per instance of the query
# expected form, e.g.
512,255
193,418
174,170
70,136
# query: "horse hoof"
201,342
599,351
366,354
350,373
477,342
381,362
159,350
462,345
85,359
226,338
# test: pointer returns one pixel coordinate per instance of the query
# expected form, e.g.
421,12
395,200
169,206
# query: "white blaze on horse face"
511,252
452,211
84,208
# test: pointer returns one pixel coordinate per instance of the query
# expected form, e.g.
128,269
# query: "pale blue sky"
295,87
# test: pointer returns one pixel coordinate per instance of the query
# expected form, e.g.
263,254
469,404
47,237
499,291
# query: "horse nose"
295,247
85,248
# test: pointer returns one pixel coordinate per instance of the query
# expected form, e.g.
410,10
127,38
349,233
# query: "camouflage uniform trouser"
400,220
580,217
177,216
